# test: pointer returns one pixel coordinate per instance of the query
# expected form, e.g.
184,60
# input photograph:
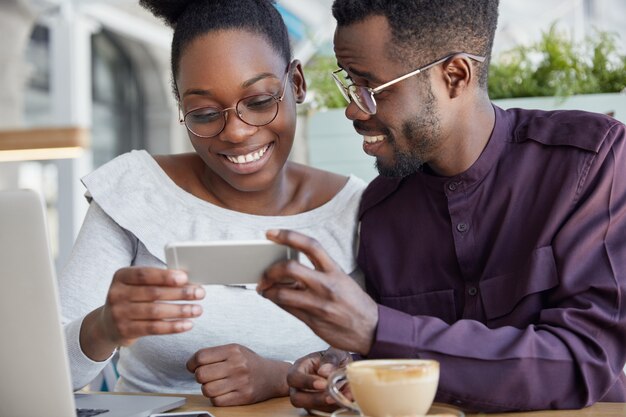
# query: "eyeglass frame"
350,92
182,117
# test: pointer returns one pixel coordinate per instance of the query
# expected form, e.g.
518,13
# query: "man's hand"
308,379
235,375
325,298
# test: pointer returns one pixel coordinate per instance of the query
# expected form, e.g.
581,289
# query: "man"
494,241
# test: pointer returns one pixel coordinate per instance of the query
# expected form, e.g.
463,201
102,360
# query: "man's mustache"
360,126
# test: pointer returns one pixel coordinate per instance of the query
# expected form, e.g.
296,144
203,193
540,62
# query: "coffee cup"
387,387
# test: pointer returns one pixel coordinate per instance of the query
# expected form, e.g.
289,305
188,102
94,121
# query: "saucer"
436,410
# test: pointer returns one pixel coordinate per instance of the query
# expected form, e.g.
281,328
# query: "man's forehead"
362,41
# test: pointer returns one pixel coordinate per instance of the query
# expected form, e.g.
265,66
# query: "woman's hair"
427,30
193,18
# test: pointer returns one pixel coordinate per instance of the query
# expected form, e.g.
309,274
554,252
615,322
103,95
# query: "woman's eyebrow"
197,92
257,78
245,84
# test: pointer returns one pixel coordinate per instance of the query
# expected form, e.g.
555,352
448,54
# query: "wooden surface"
52,137
281,407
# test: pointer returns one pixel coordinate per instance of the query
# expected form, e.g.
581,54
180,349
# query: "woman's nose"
235,129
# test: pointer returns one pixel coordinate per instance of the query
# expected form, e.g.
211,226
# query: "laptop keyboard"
88,412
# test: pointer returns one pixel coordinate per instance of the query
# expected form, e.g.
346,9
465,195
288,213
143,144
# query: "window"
118,122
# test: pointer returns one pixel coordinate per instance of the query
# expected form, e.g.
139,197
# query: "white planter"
598,103
335,146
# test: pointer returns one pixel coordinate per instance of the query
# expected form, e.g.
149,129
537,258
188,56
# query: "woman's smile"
245,161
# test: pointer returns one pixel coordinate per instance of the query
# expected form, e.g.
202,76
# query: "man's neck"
466,140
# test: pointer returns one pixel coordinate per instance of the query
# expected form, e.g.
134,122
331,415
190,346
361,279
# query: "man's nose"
353,112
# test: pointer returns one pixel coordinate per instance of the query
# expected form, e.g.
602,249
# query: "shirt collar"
502,132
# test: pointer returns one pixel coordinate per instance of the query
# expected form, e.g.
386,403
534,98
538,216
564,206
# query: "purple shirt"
513,273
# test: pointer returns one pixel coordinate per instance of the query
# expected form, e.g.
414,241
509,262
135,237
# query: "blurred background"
82,81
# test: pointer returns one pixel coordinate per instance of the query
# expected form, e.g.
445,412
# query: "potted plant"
552,73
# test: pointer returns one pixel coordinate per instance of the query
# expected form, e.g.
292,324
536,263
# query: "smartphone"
185,414
226,262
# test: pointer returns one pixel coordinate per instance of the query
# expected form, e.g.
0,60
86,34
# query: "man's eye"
204,116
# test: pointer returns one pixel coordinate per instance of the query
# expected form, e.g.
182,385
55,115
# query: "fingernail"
199,293
183,325
179,276
272,233
319,384
196,310
325,369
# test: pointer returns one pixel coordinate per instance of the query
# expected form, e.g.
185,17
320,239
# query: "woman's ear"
297,81
458,73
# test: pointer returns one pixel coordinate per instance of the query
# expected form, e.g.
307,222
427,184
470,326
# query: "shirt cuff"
83,368
395,335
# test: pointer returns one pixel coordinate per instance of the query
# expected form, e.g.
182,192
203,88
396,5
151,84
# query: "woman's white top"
136,209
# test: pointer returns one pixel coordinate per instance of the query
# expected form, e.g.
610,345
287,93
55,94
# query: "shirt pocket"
436,303
516,298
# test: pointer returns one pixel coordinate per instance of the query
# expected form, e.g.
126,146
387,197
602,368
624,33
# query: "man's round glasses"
255,110
363,96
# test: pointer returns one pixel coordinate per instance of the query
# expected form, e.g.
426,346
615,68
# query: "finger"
296,305
331,360
151,276
293,272
305,244
303,375
147,293
312,400
135,329
155,311
294,299
207,356
214,372
229,399
217,388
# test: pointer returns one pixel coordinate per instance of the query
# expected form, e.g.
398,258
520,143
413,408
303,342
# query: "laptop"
34,367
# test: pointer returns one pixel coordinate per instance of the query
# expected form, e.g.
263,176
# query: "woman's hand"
136,306
235,375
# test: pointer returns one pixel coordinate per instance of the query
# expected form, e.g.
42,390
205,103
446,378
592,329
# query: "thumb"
332,359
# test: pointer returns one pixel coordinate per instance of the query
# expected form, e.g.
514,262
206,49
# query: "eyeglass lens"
362,97
257,110
342,88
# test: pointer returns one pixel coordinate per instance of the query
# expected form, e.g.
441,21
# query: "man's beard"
421,133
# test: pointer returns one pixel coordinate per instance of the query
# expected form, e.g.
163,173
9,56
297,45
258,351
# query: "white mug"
387,387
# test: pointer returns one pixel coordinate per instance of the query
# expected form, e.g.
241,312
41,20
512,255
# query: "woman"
237,90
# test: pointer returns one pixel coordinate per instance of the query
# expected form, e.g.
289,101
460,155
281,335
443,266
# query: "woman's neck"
279,198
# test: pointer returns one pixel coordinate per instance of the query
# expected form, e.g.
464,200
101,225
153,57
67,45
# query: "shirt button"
462,227
453,186
472,291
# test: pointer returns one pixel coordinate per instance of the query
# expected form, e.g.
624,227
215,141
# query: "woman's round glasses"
363,96
255,110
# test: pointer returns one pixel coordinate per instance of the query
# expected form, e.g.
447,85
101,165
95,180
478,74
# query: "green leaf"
557,66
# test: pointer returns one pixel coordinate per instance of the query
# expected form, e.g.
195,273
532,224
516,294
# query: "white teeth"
373,139
251,157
